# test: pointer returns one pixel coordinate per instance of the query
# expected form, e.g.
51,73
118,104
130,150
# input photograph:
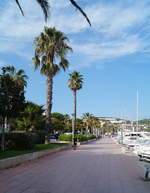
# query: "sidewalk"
99,167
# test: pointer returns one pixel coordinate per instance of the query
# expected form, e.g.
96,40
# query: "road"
99,167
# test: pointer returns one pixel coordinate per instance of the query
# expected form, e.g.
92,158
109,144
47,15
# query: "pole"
137,112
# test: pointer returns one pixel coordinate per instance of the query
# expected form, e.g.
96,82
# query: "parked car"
53,138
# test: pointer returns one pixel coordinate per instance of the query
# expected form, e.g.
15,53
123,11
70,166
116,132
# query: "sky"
113,55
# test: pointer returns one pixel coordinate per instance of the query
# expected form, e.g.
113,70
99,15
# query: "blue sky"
113,55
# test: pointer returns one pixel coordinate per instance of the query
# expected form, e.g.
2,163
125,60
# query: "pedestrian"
74,143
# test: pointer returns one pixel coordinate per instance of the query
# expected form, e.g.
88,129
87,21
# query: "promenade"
99,167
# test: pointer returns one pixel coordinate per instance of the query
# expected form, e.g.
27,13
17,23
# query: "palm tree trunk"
87,129
49,102
75,109
74,116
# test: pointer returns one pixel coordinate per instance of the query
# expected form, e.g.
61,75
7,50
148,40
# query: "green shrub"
80,137
83,137
39,138
65,137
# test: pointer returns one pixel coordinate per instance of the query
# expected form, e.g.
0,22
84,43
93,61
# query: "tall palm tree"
75,83
45,7
50,47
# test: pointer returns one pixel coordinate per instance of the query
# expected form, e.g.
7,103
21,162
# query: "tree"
51,47
95,125
67,123
57,122
45,7
75,83
79,125
12,85
12,98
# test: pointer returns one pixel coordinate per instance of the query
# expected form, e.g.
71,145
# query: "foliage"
51,45
30,120
87,121
80,137
45,7
65,137
79,124
18,141
75,81
67,123
12,85
61,123
109,127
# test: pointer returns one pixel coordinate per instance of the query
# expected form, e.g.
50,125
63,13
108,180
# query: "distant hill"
145,121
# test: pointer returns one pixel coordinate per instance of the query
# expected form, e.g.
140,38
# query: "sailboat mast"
137,111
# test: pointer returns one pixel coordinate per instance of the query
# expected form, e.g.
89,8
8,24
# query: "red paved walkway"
99,167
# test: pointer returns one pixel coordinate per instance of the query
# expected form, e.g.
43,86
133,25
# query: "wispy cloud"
115,32
110,49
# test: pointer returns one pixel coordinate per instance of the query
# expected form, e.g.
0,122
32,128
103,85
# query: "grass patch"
38,147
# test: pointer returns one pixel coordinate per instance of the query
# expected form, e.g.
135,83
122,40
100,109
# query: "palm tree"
51,46
87,120
45,7
95,125
75,83
66,121
30,120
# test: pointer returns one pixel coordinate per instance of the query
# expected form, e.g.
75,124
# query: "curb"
14,161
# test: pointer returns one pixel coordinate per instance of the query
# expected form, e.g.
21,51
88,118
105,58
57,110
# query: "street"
98,167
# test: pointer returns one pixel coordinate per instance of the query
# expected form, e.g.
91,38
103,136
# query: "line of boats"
138,142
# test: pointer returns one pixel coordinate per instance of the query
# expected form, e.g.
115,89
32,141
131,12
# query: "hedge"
80,137
22,141
65,137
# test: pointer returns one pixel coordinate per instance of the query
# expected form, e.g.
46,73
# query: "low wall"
14,161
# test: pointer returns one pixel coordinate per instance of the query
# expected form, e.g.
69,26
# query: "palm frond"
79,8
19,7
43,4
45,7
